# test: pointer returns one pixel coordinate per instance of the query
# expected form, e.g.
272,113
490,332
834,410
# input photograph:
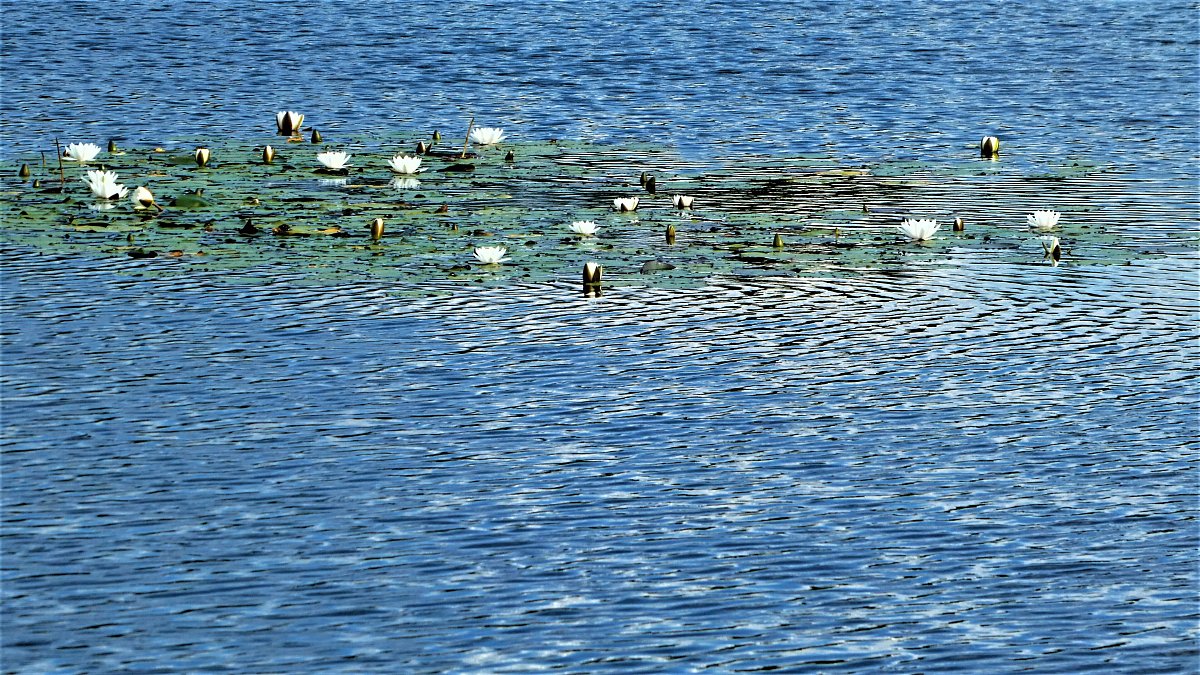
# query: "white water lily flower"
1052,247
403,164
490,255
625,204
1043,220
104,185
288,122
334,159
202,156
682,201
486,135
583,227
81,152
918,230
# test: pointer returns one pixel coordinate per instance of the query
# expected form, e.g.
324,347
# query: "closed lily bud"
437,137
377,229
959,226
670,234
778,242
510,157
268,155
24,171
989,146
592,274
650,184
202,156
316,136
422,148
642,179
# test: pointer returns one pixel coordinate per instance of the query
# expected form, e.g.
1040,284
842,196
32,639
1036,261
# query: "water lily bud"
24,171
376,229
650,185
112,145
778,242
592,274
437,138
642,179
37,182
510,157
288,122
316,136
958,225
670,234
202,156
268,155
422,148
989,146
248,228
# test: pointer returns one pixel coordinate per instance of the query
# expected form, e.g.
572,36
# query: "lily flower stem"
467,140
62,176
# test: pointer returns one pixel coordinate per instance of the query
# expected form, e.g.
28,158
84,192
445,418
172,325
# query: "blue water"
976,468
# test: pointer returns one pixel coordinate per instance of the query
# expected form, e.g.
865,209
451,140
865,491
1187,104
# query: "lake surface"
980,467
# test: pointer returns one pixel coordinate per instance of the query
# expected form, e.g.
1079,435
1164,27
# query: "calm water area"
973,468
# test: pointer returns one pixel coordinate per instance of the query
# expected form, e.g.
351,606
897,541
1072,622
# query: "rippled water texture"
978,467
949,472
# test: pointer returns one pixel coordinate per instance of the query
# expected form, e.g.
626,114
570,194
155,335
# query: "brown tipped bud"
959,226
670,234
316,136
778,242
989,146
377,229
510,157
592,274
268,155
24,171
112,145
422,148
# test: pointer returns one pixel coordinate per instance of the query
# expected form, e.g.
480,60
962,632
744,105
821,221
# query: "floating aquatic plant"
918,229
81,152
490,255
288,122
625,204
104,184
1043,220
583,227
334,160
486,135
401,163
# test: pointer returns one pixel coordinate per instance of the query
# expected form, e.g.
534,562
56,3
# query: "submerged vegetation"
407,208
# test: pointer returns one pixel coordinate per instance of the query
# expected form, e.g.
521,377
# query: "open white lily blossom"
583,227
490,255
625,204
403,164
1043,220
682,201
81,152
288,122
333,160
104,185
486,135
918,230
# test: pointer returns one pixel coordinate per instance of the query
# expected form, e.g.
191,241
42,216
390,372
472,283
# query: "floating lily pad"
316,227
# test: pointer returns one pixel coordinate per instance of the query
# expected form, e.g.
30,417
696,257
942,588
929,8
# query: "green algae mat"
791,216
